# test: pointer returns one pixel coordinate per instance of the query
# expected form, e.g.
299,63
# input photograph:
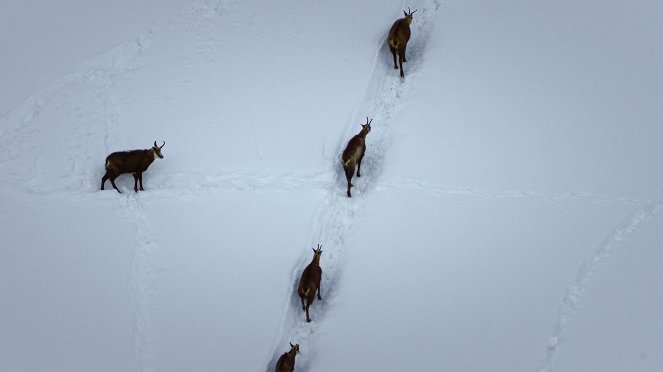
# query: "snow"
507,217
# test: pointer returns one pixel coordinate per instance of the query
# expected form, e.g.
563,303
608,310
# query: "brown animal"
134,162
286,362
399,35
310,281
354,153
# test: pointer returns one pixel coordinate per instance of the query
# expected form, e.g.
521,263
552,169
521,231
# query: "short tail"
394,43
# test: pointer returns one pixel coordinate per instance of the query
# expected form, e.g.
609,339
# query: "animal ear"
404,12
291,345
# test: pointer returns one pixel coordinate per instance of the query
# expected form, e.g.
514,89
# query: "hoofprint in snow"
385,94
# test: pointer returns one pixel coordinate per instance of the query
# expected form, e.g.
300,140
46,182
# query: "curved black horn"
164,144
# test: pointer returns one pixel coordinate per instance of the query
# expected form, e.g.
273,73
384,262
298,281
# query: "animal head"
366,127
408,15
317,252
294,349
157,149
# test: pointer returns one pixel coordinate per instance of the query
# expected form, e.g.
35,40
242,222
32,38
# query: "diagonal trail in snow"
333,223
628,226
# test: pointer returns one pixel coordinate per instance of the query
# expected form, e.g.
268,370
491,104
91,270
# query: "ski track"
626,228
385,94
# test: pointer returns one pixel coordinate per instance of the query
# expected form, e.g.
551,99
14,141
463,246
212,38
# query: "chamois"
354,153
399,35
310,281
286,362
135,162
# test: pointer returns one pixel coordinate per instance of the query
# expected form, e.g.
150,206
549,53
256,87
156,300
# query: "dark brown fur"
399,35
135,162
354,153
286,362
309,283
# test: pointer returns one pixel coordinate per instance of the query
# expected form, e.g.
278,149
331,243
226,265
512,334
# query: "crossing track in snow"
144,271
625,229
386,93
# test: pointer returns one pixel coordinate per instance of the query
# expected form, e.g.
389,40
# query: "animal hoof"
308,320
395,67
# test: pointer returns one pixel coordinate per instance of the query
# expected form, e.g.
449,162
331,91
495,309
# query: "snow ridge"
626,228
385,94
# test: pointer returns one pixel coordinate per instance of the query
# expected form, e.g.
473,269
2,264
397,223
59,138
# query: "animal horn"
164,144
155,144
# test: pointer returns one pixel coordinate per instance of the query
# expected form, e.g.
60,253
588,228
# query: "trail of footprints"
334,220
334,223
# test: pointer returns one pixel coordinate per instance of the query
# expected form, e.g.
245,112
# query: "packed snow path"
385,94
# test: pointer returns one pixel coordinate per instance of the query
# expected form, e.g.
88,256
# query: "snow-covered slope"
507,217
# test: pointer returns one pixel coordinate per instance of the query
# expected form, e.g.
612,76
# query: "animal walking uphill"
286,362
135,162
354,153
309,283
399,35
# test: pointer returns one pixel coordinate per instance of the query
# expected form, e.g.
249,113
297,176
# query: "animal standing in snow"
399,35
310,281
354,153
135,162
286,362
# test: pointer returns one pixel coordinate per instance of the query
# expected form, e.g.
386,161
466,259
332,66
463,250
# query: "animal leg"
348,176
401,56
359,165
404,48
135,182
112,179
103,180
319,298
140,180
393,52
303,306
308,303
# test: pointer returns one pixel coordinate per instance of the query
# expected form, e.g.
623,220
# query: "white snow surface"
508,217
